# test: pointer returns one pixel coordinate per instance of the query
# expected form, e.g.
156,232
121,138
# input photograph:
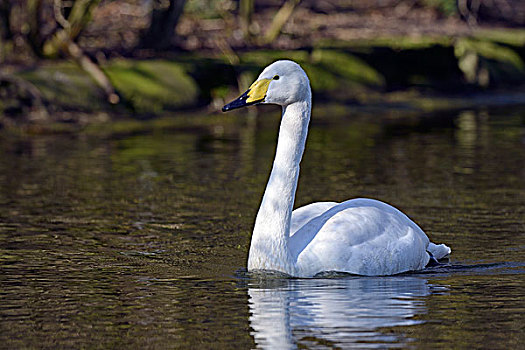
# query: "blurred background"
151,56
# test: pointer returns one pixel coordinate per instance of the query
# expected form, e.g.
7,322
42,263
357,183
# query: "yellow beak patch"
257,90
255,94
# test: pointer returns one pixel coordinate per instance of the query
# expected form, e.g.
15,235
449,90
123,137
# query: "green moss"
347,67
489,50
512,37
147,86
327,69
337,70
64,84
447,7
153,86
485,62
321,79
396,43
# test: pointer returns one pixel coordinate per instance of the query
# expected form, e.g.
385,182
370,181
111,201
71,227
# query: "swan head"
282,83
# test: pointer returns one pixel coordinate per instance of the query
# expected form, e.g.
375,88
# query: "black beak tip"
238,103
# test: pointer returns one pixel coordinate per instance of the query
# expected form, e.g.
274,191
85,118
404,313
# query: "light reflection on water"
289,312
133,240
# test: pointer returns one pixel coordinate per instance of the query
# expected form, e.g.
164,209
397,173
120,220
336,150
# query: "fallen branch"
90,67
63,41
280,19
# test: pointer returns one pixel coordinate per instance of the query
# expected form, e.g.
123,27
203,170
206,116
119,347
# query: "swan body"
358,236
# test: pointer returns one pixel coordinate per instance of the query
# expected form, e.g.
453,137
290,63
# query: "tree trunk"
161,31
34,38
5,20
5,28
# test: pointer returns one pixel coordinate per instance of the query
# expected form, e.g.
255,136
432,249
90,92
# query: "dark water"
140,240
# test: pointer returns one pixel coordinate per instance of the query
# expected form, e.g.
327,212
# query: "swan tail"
438,251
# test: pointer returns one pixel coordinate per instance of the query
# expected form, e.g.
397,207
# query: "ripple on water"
138,241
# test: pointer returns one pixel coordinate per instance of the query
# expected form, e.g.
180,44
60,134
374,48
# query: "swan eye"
276,77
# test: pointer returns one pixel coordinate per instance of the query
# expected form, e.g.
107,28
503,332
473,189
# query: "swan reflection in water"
335,311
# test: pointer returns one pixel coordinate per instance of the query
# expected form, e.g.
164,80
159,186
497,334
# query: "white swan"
359,236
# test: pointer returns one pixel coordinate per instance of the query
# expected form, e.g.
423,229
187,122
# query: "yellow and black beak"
255,94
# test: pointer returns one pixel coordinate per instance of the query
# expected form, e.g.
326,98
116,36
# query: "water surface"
140,240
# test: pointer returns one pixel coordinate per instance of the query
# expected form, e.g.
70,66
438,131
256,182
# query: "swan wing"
303,215
360,236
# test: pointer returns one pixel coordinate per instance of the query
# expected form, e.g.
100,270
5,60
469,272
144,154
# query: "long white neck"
269,247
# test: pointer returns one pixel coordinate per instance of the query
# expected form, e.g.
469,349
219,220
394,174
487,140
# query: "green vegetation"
65,85
447,7
153,86
348,67
145,86
359,73
396,43
490,50
328,69
484,62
